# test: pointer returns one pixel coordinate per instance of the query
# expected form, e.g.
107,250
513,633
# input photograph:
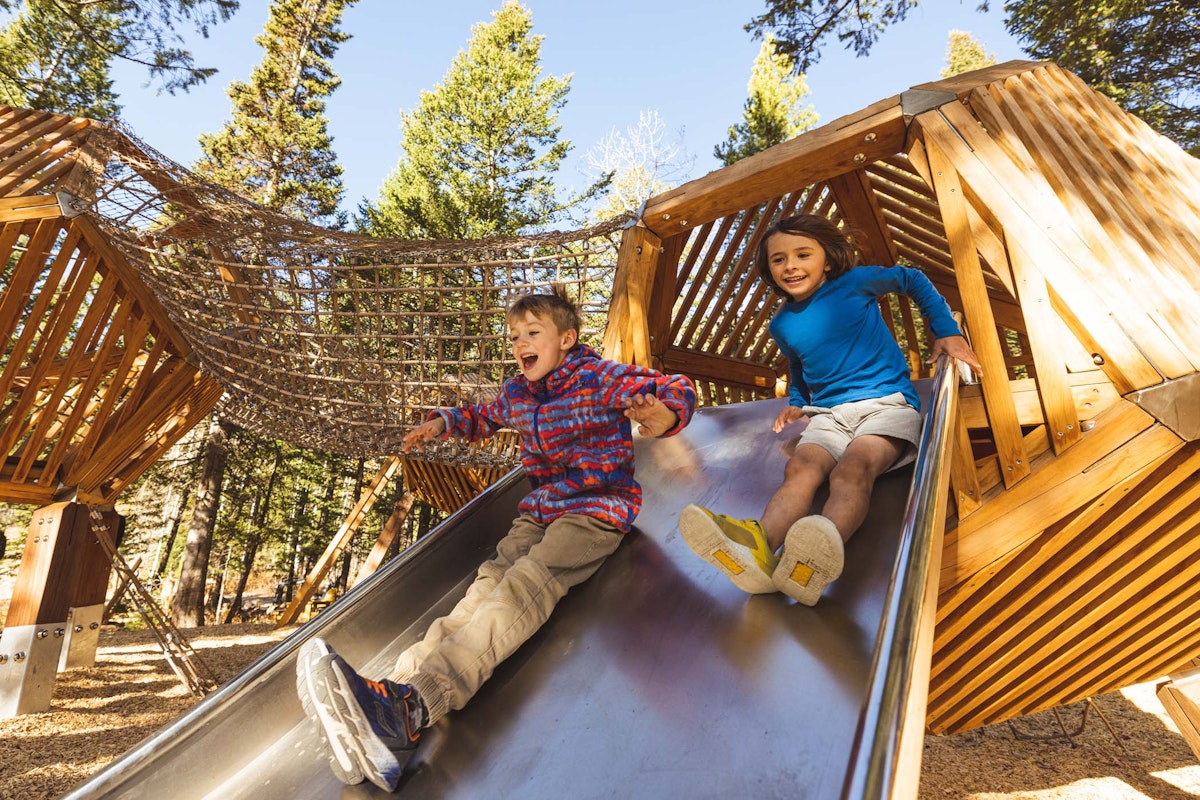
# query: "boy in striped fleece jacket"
574,411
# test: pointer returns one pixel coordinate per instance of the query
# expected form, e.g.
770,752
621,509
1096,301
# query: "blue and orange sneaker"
369,729
737,547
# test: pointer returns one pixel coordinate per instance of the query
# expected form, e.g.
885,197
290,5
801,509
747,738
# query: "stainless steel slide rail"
887,749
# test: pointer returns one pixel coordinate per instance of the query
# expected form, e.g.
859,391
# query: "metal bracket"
918,101
1174,403
70,205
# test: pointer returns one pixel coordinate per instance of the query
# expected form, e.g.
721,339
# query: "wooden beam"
391,529
1054,391
115,261
723,369
1066,483
29,207
340,540
627,337
1002,416
860,209
1031,214
843,145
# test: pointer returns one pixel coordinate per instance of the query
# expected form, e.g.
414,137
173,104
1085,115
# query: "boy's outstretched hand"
651,416
425,432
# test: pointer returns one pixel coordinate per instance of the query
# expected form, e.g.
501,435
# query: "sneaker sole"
706,540
348,730
343,762
813,557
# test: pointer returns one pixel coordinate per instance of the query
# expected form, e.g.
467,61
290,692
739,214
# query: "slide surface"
657,678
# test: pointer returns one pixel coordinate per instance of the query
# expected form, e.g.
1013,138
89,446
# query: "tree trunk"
187,607
259,520
235,606
176,517
294,547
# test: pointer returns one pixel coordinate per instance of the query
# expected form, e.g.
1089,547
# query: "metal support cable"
181,658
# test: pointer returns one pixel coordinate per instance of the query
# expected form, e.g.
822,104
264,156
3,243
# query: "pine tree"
48,63
772,113
277,149
481,149
143,32
965,53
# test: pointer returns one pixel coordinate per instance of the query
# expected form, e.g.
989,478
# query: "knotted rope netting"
322,338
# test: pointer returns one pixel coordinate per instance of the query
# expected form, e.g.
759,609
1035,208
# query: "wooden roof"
1067,232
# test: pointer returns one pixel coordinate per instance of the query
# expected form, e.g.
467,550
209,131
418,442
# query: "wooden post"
1002,414
339,542
63,568
390,531
627,337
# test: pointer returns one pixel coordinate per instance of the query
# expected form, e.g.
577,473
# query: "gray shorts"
834,428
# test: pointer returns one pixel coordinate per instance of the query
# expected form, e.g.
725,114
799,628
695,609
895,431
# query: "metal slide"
657,678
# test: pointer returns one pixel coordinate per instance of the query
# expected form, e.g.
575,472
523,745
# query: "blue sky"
689,61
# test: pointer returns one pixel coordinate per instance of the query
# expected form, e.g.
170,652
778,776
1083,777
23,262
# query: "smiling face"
538,345
797,264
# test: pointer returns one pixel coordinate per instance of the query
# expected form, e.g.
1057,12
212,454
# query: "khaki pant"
511,598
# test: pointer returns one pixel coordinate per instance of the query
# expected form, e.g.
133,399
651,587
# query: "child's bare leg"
806,470
851,481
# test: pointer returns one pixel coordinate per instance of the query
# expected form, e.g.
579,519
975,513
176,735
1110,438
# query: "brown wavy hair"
841,250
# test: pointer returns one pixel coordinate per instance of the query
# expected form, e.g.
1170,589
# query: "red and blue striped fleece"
576,442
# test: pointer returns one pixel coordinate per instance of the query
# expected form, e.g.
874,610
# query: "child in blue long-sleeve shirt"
574,411
850,378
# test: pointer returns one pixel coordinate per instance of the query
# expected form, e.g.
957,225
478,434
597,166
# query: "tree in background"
187,606
144,32
481,149
772,113
1141,53
801,27
48,63
641,162
277,149
965,53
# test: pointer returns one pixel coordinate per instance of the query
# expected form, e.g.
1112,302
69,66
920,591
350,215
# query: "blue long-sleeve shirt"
838,347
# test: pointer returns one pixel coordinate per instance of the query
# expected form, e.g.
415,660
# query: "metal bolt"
42,634
666,216
859,158
59,632
1097,359
77,628
19,655
870,137
94,625
3,658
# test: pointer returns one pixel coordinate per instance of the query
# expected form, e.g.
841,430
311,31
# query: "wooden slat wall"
1003,199
95,385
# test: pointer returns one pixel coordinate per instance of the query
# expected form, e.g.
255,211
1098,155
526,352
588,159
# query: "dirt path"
100,712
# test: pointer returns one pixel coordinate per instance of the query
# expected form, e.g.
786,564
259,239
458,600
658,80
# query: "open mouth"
527,362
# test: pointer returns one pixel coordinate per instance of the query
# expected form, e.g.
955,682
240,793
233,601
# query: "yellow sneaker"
813,556
737,547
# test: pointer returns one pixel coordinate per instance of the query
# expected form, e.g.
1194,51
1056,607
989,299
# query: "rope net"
328,339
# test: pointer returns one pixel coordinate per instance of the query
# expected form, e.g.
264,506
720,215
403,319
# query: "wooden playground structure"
1065,231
